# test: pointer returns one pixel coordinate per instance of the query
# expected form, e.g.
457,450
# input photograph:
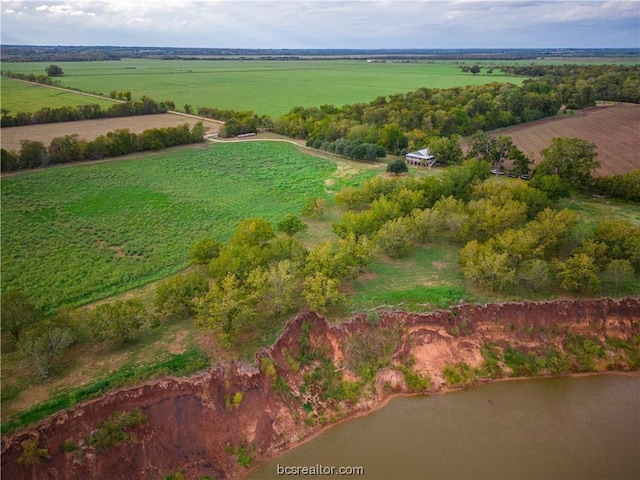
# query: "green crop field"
78,233
24,97
265,87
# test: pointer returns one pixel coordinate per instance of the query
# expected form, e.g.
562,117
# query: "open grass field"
265,87
90,129
591,211
20,96
428,278
78,233
615,129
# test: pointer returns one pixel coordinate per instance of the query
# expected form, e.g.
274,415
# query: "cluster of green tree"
549,250
146,106
38,339
54,71
356,149
401,213
258,271
579,84
42,340
497,150
625,187
71,148
510,231
567,163
474,69
124,95
31,77
408,120
236,123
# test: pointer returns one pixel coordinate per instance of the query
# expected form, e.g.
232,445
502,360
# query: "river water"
545,428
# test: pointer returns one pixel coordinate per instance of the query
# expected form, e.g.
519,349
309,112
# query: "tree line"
615,83
356,149
625,186
236,122
31,77
71,148
146,106
406,121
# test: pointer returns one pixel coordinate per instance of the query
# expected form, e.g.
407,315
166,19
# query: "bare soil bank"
192,424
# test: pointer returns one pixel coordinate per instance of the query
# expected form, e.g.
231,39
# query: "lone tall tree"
54,71
572,159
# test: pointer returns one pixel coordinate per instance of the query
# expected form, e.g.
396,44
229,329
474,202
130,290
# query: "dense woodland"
408,121
510,232
604,82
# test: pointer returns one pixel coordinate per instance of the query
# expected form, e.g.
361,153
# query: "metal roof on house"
421,154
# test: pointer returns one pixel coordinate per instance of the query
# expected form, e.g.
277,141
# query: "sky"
359,24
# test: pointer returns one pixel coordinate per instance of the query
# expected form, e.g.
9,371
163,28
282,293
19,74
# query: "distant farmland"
264,87
90,129
615,129
20,96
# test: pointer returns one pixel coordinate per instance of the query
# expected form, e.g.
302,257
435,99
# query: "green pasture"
592,210
265,87
24,97
429,278
74,234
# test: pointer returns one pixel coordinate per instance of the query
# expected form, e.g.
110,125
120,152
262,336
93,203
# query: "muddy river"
548,428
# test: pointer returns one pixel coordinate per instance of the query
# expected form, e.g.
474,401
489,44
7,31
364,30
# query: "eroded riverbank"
579,426
217,422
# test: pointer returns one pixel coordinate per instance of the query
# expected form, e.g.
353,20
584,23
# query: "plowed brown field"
89,129
615,129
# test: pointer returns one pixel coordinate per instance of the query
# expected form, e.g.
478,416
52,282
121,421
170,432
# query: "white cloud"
138,21
55,9
330,24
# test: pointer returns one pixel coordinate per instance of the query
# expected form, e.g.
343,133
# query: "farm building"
421,158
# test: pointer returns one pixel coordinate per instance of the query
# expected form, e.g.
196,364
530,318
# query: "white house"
421,158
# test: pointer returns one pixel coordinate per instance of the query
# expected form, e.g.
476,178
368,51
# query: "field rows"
615,129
